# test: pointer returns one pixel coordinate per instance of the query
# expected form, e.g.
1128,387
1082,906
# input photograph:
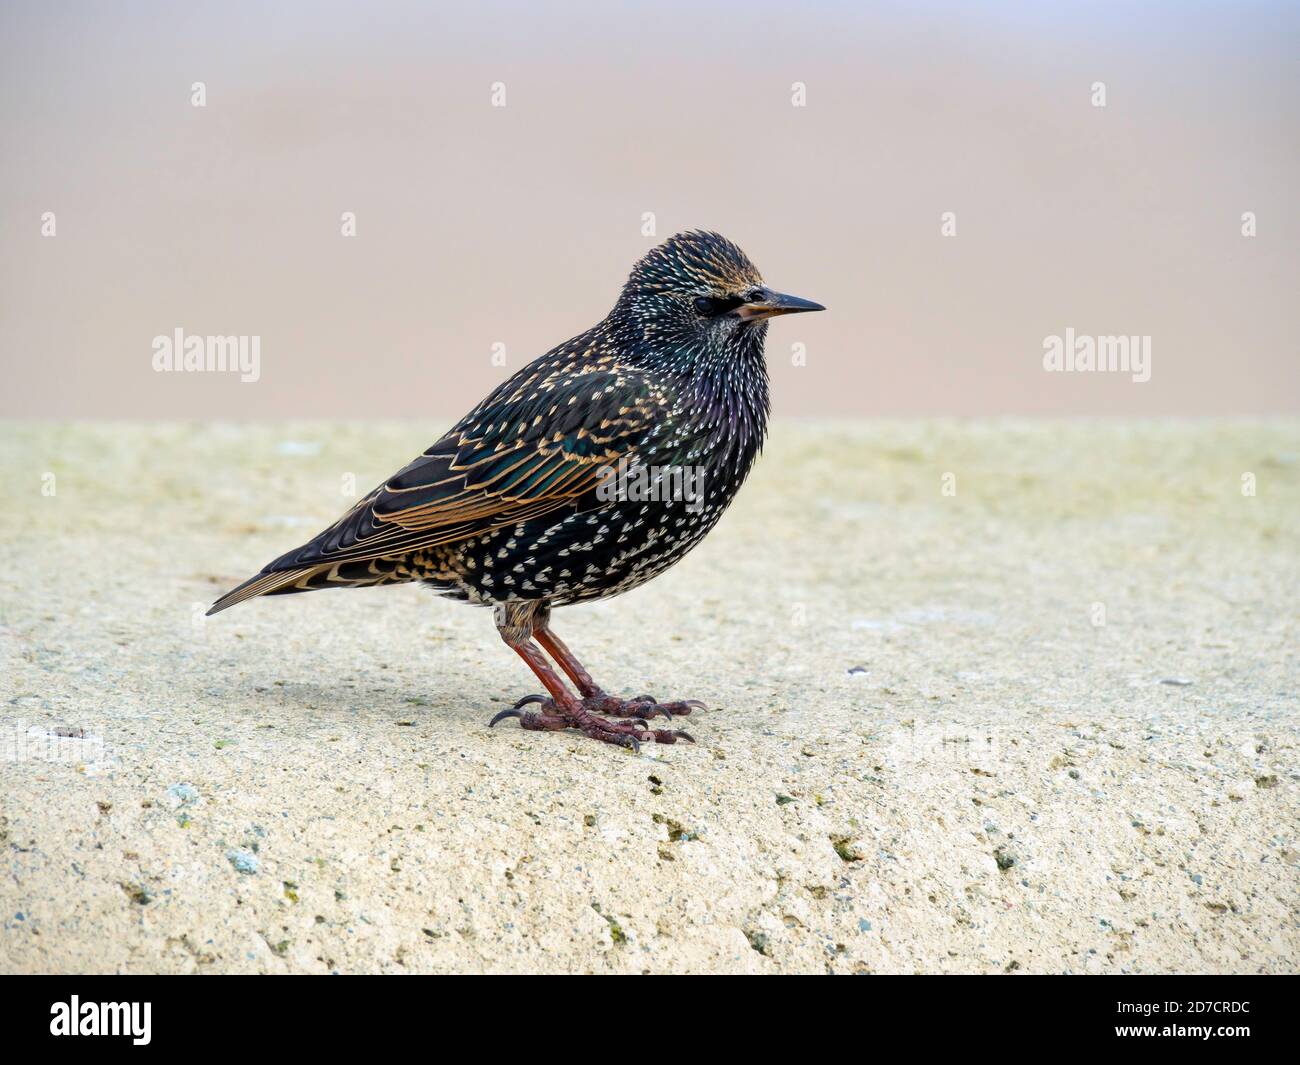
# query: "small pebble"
244,861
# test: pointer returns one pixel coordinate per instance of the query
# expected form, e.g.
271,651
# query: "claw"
695,703
660,710
664,736
507,713
528,699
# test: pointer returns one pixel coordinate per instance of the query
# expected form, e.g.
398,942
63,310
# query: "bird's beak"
774,303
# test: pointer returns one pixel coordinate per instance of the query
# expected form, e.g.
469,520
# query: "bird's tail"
361,573
285,583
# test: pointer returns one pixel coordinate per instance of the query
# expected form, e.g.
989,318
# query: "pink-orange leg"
594,697
563,710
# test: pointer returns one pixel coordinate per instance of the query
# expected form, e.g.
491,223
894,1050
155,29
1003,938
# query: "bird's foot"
639,706
583,715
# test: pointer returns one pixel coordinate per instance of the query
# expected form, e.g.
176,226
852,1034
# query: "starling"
591,470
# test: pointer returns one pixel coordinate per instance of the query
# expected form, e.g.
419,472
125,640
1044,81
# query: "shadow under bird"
591,470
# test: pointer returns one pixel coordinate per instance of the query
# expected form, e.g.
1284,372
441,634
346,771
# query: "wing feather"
528,454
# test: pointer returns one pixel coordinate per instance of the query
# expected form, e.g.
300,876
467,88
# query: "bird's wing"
534,446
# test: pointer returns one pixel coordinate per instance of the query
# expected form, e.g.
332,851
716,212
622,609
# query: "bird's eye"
713,306
757,296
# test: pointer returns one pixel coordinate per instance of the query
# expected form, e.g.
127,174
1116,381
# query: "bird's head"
699,289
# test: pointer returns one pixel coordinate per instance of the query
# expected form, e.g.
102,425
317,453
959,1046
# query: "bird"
591,470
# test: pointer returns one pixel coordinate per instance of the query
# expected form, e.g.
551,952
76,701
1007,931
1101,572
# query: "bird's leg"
563,709
577,672
594,697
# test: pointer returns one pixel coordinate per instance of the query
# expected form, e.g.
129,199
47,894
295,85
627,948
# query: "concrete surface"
1046,723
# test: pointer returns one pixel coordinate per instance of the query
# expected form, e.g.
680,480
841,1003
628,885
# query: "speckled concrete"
1046,723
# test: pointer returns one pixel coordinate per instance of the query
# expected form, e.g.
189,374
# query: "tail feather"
264,584
309,578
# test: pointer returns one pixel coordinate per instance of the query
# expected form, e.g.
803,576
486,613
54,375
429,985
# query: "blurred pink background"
479,225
